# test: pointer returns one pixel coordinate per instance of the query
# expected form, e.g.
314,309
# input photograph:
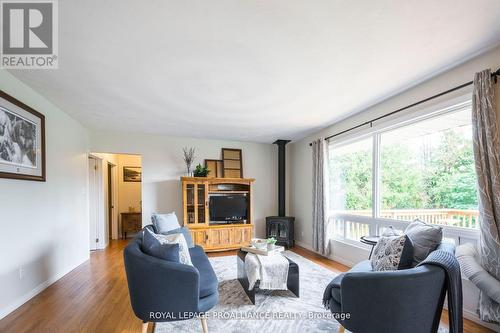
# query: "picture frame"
232,163
215,167
132,174
22,140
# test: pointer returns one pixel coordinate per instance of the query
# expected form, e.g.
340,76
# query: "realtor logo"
29,34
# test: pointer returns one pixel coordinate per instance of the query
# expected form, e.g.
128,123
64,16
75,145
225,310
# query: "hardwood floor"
94,298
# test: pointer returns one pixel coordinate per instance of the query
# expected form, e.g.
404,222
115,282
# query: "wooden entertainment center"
228,234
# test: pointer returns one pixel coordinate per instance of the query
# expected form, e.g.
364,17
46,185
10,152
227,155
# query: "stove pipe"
281,175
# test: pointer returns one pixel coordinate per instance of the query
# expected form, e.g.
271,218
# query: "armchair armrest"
373,298
159,286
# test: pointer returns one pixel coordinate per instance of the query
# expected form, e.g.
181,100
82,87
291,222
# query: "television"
228,208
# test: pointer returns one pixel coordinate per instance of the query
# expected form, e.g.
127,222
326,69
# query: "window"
427,171
418,169
351,178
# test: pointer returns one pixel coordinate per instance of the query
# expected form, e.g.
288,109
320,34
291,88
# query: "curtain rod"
493,75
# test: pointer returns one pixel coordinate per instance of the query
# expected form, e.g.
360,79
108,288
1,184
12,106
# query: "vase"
270,246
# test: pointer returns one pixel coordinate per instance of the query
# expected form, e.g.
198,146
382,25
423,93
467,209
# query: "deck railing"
353,224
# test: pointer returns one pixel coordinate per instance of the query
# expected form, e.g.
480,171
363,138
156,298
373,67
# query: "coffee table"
292,282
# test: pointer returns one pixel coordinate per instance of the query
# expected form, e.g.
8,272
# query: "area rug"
277,311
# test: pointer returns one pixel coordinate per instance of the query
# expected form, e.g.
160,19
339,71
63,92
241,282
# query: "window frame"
375,131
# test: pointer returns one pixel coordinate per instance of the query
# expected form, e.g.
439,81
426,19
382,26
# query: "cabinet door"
202,203
220,237
238,236
247,235
242,236
200,237
189,202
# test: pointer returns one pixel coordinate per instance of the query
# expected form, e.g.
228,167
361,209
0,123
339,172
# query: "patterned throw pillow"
184,256
392,253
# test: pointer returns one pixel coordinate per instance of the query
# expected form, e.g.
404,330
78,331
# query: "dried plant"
188,158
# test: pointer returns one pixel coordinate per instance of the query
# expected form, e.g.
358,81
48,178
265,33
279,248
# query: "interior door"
93,203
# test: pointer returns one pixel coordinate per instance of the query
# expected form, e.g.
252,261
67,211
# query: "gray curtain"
487,159
320,241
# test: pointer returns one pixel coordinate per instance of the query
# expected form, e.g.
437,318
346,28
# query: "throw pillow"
425,239
153,247
392,253
164,222
184,257
185,232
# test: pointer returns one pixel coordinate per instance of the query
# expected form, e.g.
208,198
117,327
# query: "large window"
351,178
419,169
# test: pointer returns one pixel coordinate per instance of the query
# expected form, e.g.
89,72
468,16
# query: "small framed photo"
22,140
132,174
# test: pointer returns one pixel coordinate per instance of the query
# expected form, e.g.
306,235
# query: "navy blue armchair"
409,300
162,291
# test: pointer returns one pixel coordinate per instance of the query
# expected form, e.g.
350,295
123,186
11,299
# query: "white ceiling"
250,70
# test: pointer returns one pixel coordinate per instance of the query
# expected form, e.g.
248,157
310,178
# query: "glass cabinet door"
195,203
190,203
201,190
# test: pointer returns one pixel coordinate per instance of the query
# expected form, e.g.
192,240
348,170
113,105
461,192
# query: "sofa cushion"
208,279
153,247
392,253
184,231
164,222
425,239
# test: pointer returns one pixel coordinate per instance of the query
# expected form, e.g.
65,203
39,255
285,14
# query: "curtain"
486,145
319,195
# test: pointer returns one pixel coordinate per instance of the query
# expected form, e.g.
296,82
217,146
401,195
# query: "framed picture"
22,140
132,174
232,163
215,167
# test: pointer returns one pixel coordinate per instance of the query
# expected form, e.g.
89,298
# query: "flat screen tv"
228,208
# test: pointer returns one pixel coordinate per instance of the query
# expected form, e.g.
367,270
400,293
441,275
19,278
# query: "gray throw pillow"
165,222
184,256
153,247
392,253
185,232
425,239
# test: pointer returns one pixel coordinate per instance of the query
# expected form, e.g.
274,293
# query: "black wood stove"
281,226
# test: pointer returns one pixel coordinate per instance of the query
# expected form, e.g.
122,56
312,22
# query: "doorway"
115,197
95,181
111,188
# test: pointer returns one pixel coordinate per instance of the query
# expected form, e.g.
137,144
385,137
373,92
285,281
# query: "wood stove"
281,226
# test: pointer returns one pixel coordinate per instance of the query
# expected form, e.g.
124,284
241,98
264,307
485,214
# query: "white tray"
263,252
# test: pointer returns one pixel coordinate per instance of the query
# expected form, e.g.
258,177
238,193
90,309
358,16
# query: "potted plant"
201,171
271,243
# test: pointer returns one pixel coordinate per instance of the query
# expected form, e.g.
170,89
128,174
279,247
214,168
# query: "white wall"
162,167
301,157
44,224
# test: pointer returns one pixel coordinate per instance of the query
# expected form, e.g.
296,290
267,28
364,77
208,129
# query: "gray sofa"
159,286
409,300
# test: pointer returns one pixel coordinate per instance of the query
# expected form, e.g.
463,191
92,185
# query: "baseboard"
305,246
472,316
342,261
38,289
